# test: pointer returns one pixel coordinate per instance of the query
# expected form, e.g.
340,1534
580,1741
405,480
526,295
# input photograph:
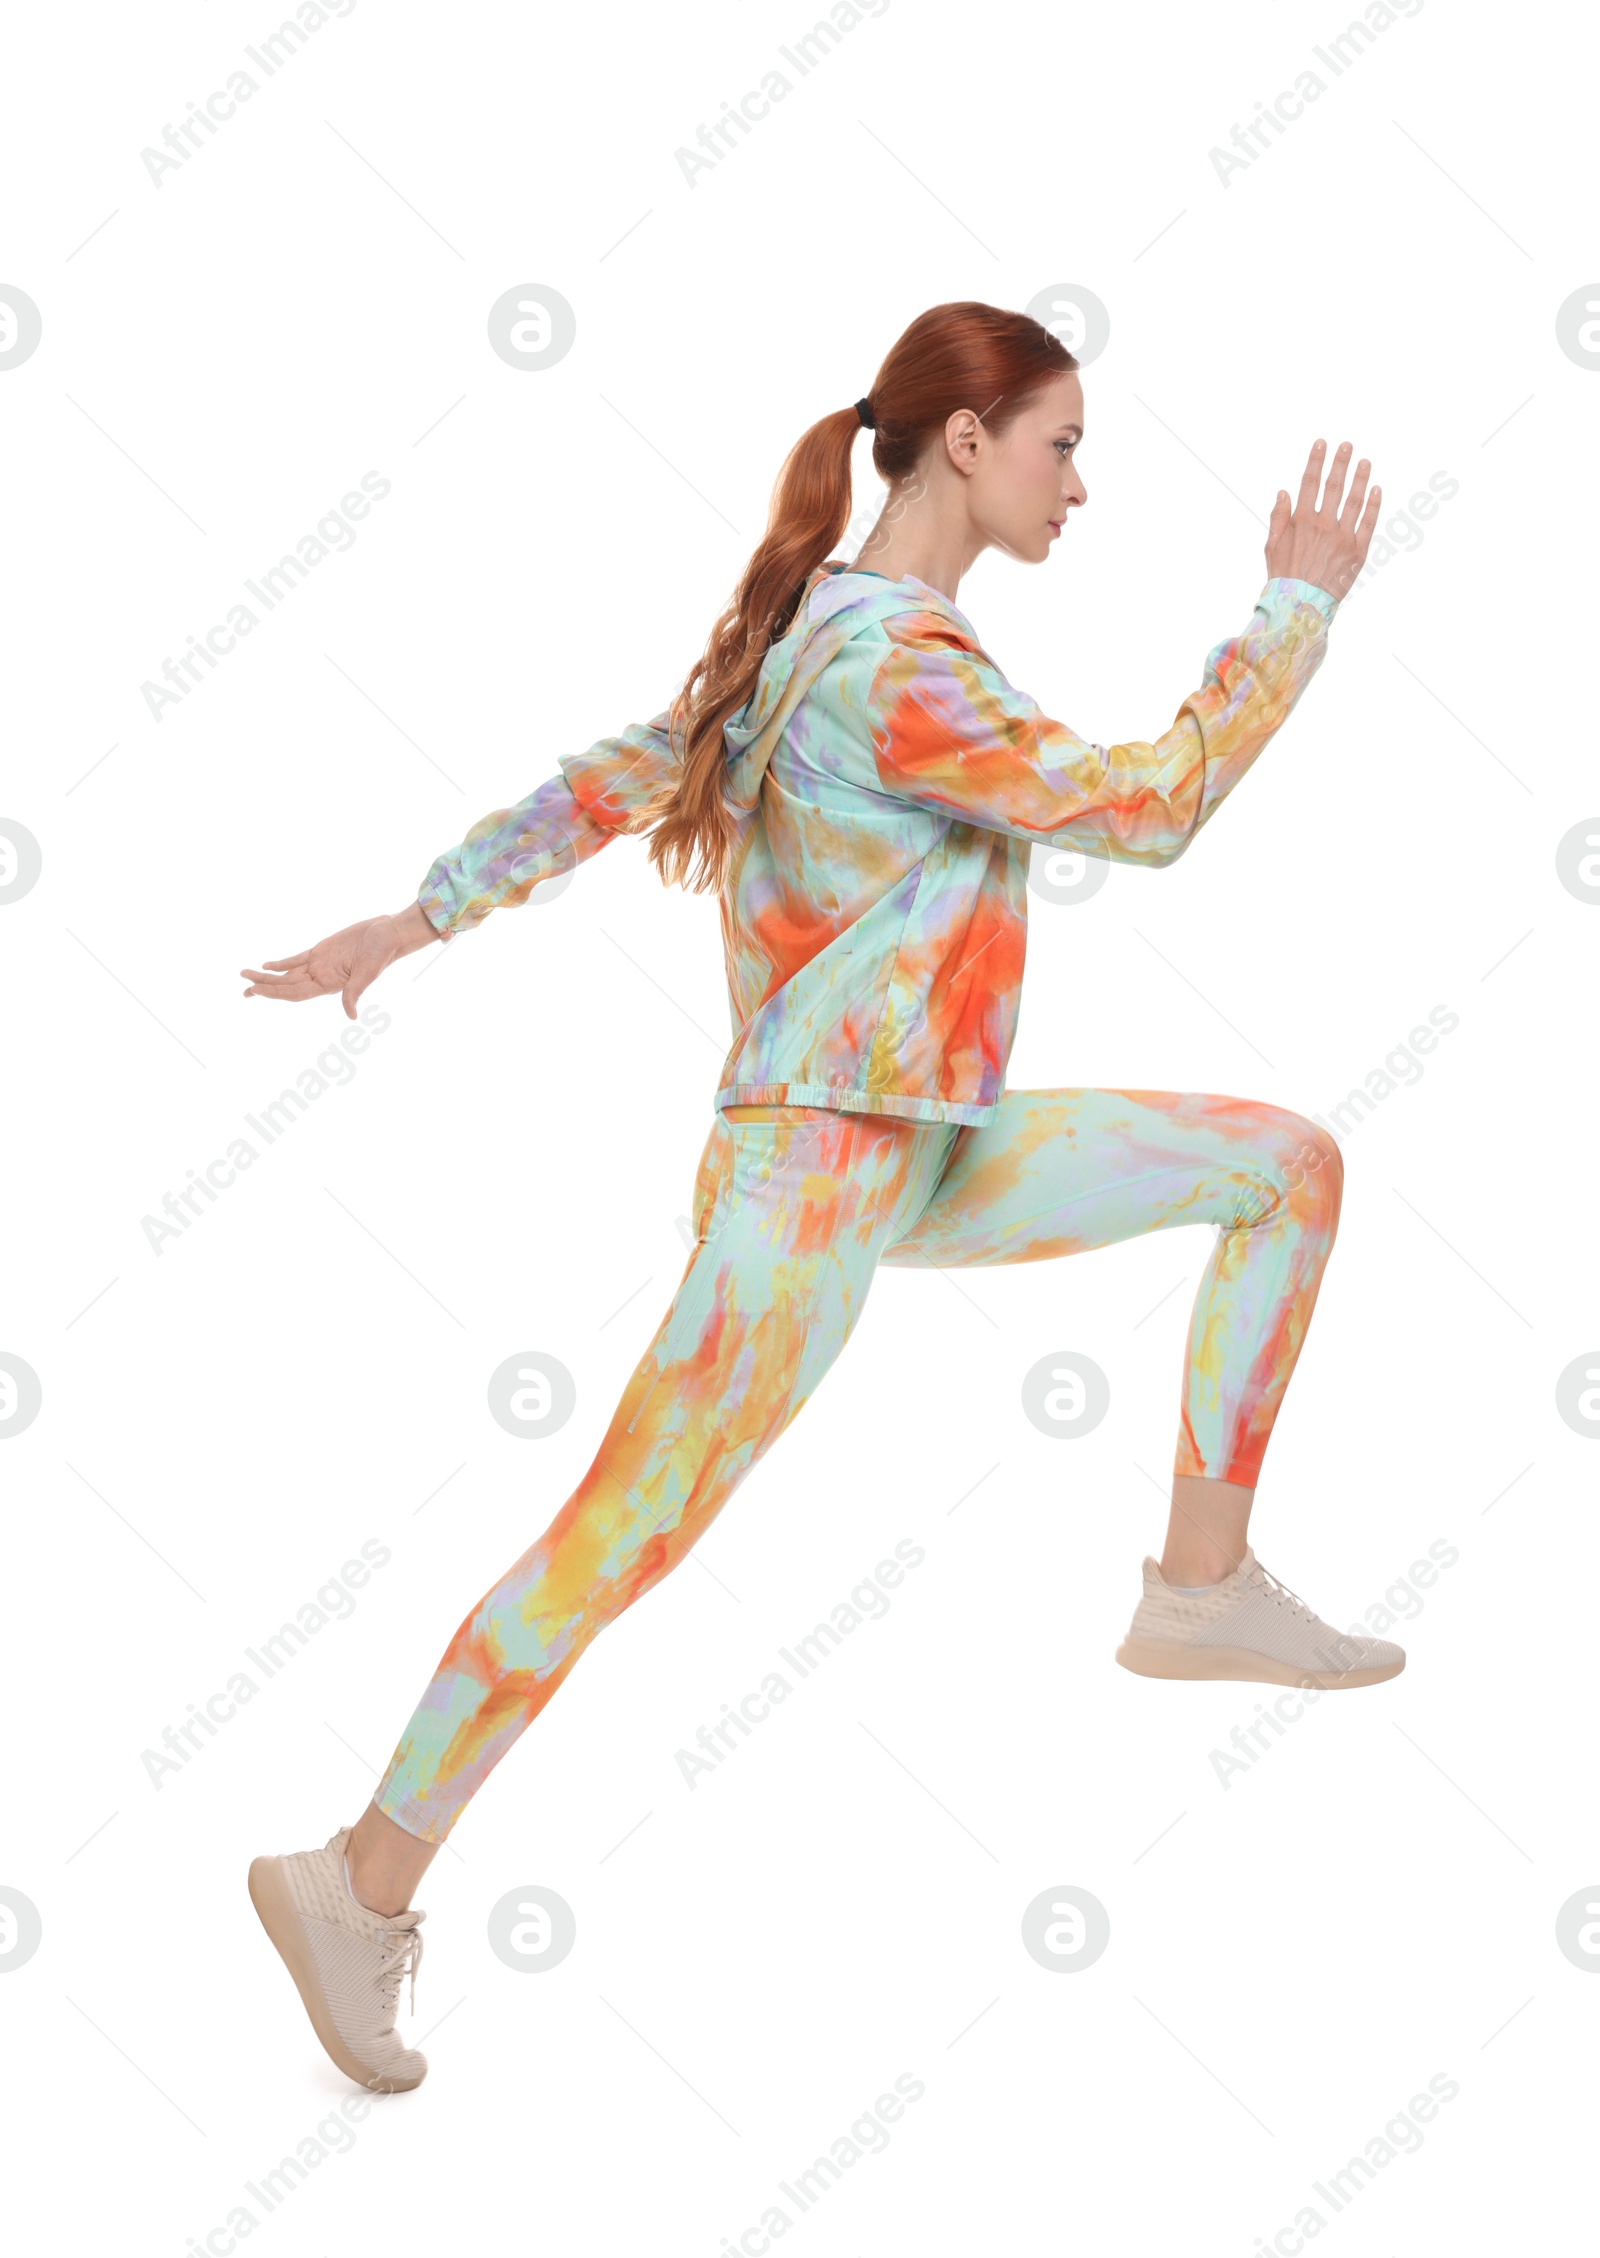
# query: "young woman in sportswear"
850,771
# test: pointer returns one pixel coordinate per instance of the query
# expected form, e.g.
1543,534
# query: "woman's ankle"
372,1892
383,1863
1206,1534
1194,1571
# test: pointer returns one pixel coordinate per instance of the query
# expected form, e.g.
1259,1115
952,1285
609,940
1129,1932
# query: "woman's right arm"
562,822
565,821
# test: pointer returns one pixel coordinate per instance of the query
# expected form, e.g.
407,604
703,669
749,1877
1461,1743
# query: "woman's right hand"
348,961
1325,546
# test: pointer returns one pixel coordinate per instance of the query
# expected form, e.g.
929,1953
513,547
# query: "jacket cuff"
1285,590
436,906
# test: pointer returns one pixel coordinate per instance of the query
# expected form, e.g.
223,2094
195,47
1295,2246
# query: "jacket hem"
844,1099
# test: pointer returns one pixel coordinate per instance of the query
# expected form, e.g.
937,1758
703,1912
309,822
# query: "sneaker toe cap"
1379,1654
398,2072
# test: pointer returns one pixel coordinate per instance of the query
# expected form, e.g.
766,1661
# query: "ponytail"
810,510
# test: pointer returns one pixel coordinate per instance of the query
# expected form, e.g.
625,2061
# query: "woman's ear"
961,440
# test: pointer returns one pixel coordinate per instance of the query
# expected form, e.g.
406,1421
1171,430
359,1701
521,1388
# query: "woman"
855,778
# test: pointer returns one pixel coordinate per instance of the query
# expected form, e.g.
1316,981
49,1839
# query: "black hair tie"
864,411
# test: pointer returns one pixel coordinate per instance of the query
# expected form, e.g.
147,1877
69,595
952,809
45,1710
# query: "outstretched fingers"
291,978
1335,486
1310,480
1352,501
296,986
1364,530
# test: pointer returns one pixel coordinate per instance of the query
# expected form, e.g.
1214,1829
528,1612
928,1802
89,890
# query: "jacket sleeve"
950,733
568,818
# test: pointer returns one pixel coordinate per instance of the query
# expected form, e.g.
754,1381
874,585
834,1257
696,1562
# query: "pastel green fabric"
890,784
792,1218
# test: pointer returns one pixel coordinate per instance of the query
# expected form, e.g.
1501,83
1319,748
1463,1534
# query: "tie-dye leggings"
794,1208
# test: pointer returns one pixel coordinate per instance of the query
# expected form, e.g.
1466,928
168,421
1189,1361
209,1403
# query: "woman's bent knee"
1307,1156
1298,1166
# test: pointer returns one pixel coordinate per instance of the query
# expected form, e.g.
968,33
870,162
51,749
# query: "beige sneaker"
347,1962
1248,1626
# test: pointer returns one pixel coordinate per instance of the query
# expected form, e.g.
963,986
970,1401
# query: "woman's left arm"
950,733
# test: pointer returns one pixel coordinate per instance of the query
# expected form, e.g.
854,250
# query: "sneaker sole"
274,1902
1153,1658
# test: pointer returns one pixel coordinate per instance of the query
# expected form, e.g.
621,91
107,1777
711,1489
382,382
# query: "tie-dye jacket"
890,783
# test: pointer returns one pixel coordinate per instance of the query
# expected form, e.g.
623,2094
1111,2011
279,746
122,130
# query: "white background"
225,1422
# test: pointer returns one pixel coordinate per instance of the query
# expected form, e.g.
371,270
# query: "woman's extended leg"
791,1215
792,1208
1057,1171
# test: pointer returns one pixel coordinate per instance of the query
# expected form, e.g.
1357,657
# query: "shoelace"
1258,1578
404,1959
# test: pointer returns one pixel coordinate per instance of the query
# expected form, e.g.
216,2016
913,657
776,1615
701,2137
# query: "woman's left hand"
1326,546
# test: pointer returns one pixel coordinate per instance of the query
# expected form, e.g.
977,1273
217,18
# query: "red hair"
962,355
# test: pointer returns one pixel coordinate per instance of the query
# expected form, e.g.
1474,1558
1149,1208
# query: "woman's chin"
1029,548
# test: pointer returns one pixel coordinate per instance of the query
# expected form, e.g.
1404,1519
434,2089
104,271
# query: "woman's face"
1023,483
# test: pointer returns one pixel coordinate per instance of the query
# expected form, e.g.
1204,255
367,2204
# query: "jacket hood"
835,606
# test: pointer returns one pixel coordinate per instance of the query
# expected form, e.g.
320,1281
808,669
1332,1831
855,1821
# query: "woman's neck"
913,537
